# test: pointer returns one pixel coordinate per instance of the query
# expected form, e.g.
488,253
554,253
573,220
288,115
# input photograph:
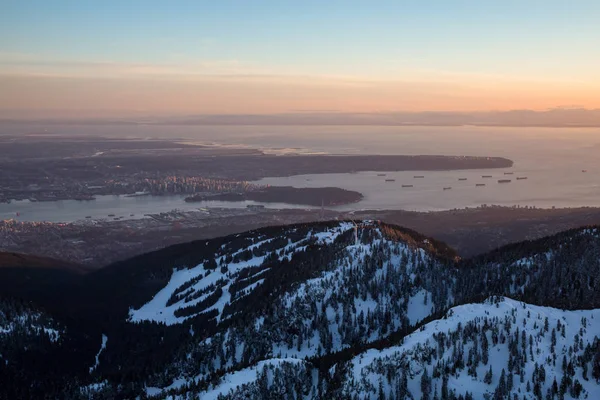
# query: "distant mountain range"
328,310
556,117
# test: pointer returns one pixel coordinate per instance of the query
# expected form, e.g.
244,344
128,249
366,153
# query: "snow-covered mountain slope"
372,288
274,378
292,309
561,270
377,285
228,275
499,348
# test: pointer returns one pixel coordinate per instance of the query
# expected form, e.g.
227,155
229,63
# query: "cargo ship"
390,180
380,174
462,179
504,181
508,173
520,178
447,188
419,176
480,184
486,176
407,186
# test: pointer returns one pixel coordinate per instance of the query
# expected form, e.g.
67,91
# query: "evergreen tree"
488,376
425,385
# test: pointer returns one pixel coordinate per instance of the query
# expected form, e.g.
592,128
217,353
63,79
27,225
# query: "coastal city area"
131,186
33,168
96,243
94,201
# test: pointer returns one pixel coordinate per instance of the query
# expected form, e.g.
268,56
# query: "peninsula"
326,196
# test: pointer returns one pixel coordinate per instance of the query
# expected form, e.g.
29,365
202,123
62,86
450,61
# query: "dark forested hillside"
17,260
31,345
561,270
281,310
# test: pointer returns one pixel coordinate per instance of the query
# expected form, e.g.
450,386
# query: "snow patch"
102,347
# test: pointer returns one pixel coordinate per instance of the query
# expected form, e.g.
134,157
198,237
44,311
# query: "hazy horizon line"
562,116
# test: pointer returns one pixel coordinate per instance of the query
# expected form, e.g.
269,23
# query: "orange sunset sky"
69,59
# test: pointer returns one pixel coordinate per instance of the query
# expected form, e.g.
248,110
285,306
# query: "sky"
155,57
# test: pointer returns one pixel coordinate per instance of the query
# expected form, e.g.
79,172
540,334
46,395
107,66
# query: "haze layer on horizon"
113,58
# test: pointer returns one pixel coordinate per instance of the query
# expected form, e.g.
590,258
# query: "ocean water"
122,207
553,160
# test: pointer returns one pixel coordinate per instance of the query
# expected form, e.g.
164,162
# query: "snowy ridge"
370,290
592,232
527,348
329,292
304,293
514,340
225,277
324,310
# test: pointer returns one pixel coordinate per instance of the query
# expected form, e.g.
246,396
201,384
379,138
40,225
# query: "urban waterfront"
111,207
562,167
577,189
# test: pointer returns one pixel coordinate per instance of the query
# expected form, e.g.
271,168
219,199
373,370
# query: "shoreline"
282,201
228,168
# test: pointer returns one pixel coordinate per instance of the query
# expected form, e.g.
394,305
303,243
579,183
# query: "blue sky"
473,41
